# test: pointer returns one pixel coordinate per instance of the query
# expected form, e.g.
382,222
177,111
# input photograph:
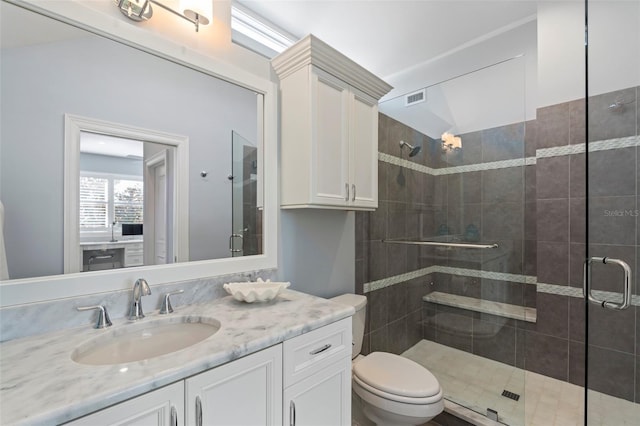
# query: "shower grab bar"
441,244
586,284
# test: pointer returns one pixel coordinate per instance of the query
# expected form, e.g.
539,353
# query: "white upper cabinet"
329,128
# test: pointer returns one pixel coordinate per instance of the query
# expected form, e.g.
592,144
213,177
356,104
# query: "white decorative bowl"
260,291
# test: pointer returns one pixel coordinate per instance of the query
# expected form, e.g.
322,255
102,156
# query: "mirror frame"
33,290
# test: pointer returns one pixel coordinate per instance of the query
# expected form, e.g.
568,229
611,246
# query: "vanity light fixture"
198,12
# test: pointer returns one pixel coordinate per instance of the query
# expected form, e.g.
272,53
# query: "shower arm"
441,244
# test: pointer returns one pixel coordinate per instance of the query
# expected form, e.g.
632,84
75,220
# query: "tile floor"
477,383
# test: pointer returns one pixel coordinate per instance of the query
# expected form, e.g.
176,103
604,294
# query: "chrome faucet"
140,288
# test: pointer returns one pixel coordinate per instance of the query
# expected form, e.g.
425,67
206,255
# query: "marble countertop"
110,243
40,384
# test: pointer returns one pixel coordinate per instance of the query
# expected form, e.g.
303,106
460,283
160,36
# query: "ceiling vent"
415,97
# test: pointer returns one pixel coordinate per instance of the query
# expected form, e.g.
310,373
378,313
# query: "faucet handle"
103,316
141,288
166,307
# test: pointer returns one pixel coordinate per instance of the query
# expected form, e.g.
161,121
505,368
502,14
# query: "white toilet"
394,390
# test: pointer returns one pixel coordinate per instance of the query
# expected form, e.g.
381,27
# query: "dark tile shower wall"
537,212
559,351
407,207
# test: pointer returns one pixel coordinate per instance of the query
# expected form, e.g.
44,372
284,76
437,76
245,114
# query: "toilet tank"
359,302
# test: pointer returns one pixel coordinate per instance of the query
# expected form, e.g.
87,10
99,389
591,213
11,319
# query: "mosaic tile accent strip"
498,276
626,142
397,279
397,161
562,290
493,165
558,151
490,275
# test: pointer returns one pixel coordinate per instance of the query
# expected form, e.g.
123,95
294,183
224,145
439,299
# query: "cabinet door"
162,407
133,255
244,392
363,138
322,399
330,140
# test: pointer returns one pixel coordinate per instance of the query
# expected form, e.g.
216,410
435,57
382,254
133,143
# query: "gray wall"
102,79
317,254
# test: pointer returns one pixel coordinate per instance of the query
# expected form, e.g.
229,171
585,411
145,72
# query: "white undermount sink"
144,339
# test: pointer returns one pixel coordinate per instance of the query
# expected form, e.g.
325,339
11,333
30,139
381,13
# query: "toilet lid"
396,375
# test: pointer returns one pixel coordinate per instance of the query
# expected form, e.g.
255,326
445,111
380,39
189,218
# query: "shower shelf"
506,310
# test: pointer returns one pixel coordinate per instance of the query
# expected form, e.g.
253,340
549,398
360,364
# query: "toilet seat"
397,398
396,378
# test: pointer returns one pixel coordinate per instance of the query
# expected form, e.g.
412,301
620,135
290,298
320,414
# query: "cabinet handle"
346,188
292,413
321,349
198,411
353,197
174,416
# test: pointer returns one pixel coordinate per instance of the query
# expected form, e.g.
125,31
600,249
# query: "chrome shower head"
414,149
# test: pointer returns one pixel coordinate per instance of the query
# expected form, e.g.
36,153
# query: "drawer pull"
319,350
292,413
198,411
174,416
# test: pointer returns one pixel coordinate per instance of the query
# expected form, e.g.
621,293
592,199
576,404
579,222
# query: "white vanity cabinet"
305,380
329,127
162,407
317,377
244,392
247,391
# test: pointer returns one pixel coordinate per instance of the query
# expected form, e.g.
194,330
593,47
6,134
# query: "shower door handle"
231,247
626,294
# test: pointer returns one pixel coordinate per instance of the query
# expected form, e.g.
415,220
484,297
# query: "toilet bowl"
393,390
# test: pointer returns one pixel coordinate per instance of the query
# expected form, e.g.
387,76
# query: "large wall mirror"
116,160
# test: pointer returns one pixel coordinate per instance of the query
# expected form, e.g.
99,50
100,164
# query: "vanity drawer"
134,255
309,353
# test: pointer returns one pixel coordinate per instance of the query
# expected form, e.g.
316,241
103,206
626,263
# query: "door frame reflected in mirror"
74,125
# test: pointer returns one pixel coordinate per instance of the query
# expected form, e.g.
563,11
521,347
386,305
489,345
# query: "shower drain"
510,395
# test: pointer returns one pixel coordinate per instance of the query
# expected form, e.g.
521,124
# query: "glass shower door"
612,338
454,195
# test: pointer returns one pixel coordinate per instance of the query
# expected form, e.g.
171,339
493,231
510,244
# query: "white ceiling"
390,36
95,143
402,40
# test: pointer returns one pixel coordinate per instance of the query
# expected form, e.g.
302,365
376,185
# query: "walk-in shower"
474,262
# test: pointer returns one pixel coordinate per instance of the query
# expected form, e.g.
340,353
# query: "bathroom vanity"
267,363
111,255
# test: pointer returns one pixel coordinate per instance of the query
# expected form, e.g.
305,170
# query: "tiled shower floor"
477,383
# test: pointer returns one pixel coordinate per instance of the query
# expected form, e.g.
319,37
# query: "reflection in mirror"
246,233
111,201
95,77
125,184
